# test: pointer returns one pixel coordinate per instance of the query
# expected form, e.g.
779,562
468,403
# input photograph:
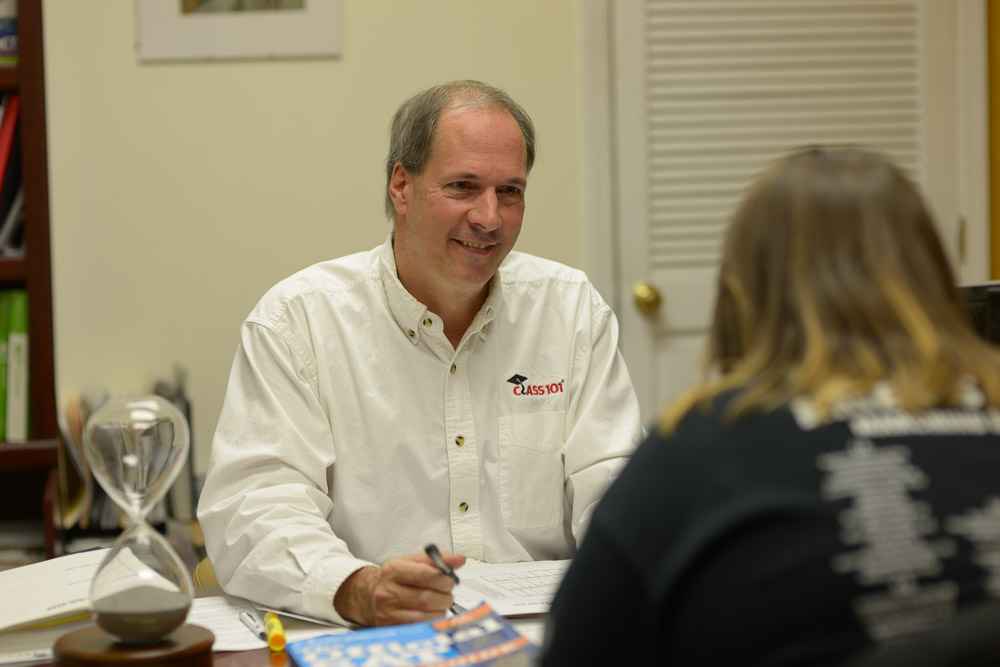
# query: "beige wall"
993,67
181,192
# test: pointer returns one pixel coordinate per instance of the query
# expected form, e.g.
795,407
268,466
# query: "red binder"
11,111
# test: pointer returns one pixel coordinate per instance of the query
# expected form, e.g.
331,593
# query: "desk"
531,628
259,657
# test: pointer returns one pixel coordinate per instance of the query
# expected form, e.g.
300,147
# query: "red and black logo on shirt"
522,388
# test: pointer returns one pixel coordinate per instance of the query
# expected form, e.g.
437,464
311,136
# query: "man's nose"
486,212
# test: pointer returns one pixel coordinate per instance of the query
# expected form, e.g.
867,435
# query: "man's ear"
400,188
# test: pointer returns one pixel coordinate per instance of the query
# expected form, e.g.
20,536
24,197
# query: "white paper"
512,589
51,588
287,614
220,614
32,646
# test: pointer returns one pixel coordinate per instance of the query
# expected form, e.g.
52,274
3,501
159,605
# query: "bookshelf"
28,471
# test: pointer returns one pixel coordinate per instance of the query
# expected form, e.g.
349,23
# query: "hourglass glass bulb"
136,447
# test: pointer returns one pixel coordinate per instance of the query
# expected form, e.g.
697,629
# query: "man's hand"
407,589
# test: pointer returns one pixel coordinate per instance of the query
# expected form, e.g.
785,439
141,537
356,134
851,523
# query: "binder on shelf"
17,367
4,334
12,228
11,195
8,32
11,113
11,178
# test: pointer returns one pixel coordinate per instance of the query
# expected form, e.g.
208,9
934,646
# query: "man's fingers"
412,589
395,602
429,600
454,560
417,574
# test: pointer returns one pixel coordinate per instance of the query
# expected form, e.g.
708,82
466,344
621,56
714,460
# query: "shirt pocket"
531,470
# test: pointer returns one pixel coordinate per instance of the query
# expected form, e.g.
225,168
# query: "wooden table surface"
257,657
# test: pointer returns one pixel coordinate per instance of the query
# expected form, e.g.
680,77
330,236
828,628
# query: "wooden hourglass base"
187,645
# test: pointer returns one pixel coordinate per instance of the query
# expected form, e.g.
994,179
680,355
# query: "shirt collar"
413,318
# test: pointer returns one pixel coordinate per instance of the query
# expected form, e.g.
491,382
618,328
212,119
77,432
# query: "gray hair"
416,120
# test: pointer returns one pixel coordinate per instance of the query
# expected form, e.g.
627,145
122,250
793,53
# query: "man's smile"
476,246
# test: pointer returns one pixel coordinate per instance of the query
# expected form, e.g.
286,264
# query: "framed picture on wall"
237,29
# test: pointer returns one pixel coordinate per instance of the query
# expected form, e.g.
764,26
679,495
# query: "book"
53,591
4,333
11,192
10,168
12,228
17,367
8,32
479,636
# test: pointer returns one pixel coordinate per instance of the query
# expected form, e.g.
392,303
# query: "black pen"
432,552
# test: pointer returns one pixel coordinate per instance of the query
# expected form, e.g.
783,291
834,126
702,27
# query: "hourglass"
136,447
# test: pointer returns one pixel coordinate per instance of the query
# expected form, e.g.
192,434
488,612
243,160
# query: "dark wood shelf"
8,78
13,271
29,471
32,455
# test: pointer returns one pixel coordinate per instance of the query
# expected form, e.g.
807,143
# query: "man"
438,388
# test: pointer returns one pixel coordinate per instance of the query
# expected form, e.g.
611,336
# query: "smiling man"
439,388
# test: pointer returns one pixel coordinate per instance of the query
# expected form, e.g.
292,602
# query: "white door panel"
704,93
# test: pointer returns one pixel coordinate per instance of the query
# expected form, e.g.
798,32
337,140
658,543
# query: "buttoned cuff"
322,583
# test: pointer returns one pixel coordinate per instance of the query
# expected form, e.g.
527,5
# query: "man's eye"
462,186
511,192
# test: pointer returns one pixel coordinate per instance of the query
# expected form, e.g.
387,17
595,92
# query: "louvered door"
707,92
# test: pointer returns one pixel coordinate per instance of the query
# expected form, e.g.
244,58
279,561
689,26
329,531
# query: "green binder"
17,367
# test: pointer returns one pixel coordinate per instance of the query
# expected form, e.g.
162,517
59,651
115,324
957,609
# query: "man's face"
459,217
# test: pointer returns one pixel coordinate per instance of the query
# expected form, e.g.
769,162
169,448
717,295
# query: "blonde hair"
833,278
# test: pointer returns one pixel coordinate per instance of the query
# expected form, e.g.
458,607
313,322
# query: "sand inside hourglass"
142,613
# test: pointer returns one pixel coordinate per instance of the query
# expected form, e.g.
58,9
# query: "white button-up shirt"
353,431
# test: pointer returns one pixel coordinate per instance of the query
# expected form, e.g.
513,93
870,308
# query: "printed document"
512,589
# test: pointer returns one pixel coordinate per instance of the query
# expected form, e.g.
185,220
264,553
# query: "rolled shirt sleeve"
265,504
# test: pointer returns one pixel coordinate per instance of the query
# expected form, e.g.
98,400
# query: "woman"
834,482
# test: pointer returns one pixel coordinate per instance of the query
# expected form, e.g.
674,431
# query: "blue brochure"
477,637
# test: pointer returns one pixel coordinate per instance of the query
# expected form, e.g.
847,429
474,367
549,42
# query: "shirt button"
463,506
428,321
460,440
453,369
411,333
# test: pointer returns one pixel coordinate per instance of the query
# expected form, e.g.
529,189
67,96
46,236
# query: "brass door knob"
647,298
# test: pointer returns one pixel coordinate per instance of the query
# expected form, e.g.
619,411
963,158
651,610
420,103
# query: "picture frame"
237,29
